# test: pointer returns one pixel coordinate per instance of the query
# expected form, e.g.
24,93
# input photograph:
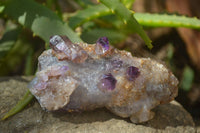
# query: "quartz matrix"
80,76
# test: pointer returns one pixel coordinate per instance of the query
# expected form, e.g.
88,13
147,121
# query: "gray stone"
169,117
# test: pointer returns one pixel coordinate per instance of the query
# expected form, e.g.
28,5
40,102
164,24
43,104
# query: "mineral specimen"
78,77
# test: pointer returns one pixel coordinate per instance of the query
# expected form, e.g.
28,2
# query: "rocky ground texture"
170,117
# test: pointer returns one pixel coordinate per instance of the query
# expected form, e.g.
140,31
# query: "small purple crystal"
102,45
132,72
103,41
108,82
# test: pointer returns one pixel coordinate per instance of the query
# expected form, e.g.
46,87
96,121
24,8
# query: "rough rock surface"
168,118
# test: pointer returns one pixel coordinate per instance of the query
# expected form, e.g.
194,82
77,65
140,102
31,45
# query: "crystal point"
102,46
64,49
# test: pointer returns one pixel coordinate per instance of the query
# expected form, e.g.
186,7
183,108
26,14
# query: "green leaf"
127,17
91,36
2,8
128,3
42,21
54,4
88,14
92,12
14,56
84,3
7,42
20,105
145,19
188,77
166,20
100,10
29,63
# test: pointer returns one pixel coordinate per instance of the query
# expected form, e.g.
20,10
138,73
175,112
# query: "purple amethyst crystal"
102,45
108,82
103,41
132,72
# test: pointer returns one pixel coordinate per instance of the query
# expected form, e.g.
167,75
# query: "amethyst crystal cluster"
82,76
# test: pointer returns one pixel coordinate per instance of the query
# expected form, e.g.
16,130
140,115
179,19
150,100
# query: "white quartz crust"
72,86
